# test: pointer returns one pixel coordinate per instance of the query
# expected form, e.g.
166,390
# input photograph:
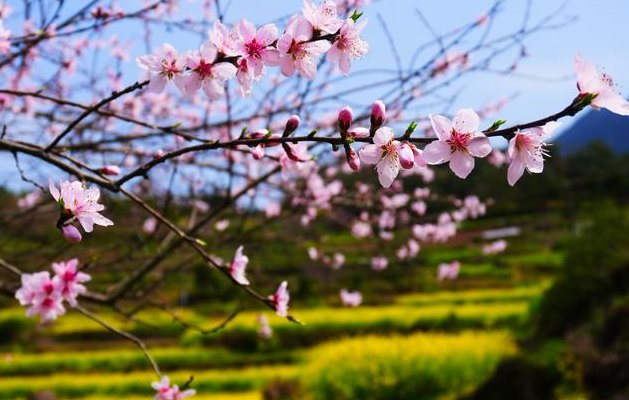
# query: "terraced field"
237,364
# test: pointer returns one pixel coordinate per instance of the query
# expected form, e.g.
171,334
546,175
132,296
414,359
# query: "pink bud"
378,114
292,124
111,170
346,115
352,159
259,133
159,153
258,152
71,234
358,132
407,158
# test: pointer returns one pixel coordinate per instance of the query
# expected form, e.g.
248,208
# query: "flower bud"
259,133
346,115
407,158
111,170
378,114
352,159
258,152
71,234
358,132
291,125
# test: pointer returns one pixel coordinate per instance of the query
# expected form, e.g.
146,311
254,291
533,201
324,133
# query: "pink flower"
70,280
5,44
526,151
238,265
272,209
42,294
348,45
164,66
351,299
338,259
295,160
297,52
150,225
448,271
323,17
30,200
224,40
383,153
206,74
458,142
78,202
379,263
264,329
221,225
313,253
590,81
495,247
361,229
255,46
280,299
167,392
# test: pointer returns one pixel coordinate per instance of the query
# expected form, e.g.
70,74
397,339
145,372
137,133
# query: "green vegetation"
417,367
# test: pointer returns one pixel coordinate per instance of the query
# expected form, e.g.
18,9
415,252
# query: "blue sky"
598,31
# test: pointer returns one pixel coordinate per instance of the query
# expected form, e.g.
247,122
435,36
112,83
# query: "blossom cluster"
44,295
244,52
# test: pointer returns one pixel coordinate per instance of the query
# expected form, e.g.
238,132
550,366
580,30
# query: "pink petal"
267,34
461,164
516,169
370,154
157,84
587,75
383,136
287,65
437,152
442,126
246,30
479,146
53,190
612,101
270,57
388,169
466,121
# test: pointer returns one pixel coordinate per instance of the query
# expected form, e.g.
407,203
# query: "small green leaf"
356,15
496,125
411,128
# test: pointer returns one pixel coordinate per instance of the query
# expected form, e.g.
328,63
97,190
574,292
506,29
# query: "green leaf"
496,125
356,15
411,128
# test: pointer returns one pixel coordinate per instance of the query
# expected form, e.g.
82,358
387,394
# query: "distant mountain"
610,128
